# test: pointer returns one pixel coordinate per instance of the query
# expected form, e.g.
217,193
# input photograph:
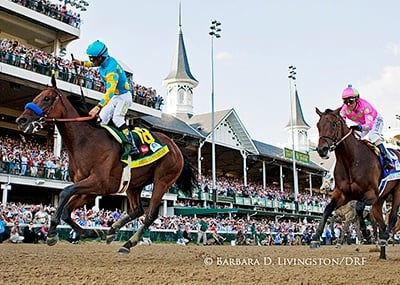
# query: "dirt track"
98,263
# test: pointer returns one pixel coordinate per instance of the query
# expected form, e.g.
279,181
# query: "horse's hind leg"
135,211
151,214
393,213
134,240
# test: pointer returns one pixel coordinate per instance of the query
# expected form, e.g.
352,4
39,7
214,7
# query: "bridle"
44,116
335,140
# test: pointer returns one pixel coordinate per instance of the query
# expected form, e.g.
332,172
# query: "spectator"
202,227
16,235
41,217
42,234
73,237
278,240
146,240
2,227
179,236
218,239
30,234
187,237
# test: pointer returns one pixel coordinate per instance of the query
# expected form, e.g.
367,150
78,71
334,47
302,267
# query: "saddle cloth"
150,148
387,175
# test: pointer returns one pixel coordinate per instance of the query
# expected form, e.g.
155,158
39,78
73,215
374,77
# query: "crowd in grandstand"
258,232
34,157
15,53
54,10
38,216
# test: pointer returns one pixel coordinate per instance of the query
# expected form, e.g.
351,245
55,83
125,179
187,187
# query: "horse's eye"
46,99
333,124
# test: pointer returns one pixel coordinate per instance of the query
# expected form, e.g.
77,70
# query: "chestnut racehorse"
95,167
357,174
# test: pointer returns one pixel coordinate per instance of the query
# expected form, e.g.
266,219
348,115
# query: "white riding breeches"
375,134
116,109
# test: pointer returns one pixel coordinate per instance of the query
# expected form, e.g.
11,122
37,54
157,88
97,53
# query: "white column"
244,155
199,159
5,188
281,177
57,142
264,174
165,205
97,202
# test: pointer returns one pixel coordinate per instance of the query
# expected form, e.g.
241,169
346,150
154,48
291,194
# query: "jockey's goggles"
92,58
349,101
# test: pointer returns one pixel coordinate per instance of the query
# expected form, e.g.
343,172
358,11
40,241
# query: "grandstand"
33,44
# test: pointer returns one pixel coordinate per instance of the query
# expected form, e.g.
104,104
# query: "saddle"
150,147
387,175
392,155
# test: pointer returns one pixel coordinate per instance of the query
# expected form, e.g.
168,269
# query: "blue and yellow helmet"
97,49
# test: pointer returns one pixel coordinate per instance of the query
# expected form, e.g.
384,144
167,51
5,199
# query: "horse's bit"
334,140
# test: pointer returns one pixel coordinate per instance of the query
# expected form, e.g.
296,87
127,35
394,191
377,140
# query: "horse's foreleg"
360,206
327,212
66,217
359,233
52,236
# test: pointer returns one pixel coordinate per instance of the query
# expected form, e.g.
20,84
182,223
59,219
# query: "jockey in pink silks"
369,121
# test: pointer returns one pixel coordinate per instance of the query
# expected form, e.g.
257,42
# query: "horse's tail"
187,180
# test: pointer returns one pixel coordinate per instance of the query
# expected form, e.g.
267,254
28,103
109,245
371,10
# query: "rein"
78,119
38,124
336,143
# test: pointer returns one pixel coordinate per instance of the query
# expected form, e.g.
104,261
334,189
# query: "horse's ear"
53,80
337,111
318,111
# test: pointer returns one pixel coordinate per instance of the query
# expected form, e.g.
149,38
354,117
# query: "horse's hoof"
124,250
315,244
338,246
383,243
110,238
52,240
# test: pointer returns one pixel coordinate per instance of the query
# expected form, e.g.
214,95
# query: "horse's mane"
328,111
78,103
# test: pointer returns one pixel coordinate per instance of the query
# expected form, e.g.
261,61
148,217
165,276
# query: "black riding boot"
387,162
126,131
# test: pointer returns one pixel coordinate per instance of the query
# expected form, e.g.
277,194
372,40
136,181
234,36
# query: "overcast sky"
332,43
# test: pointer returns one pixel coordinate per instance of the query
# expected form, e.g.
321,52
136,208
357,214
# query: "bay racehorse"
357,175
95,166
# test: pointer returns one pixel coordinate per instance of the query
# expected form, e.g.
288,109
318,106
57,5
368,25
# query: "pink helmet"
349,92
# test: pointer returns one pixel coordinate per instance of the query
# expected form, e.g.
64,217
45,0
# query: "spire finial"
180,15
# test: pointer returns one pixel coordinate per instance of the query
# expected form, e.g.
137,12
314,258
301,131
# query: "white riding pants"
116,109
375,134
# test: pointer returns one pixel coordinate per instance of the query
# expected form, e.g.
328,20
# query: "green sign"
299,156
